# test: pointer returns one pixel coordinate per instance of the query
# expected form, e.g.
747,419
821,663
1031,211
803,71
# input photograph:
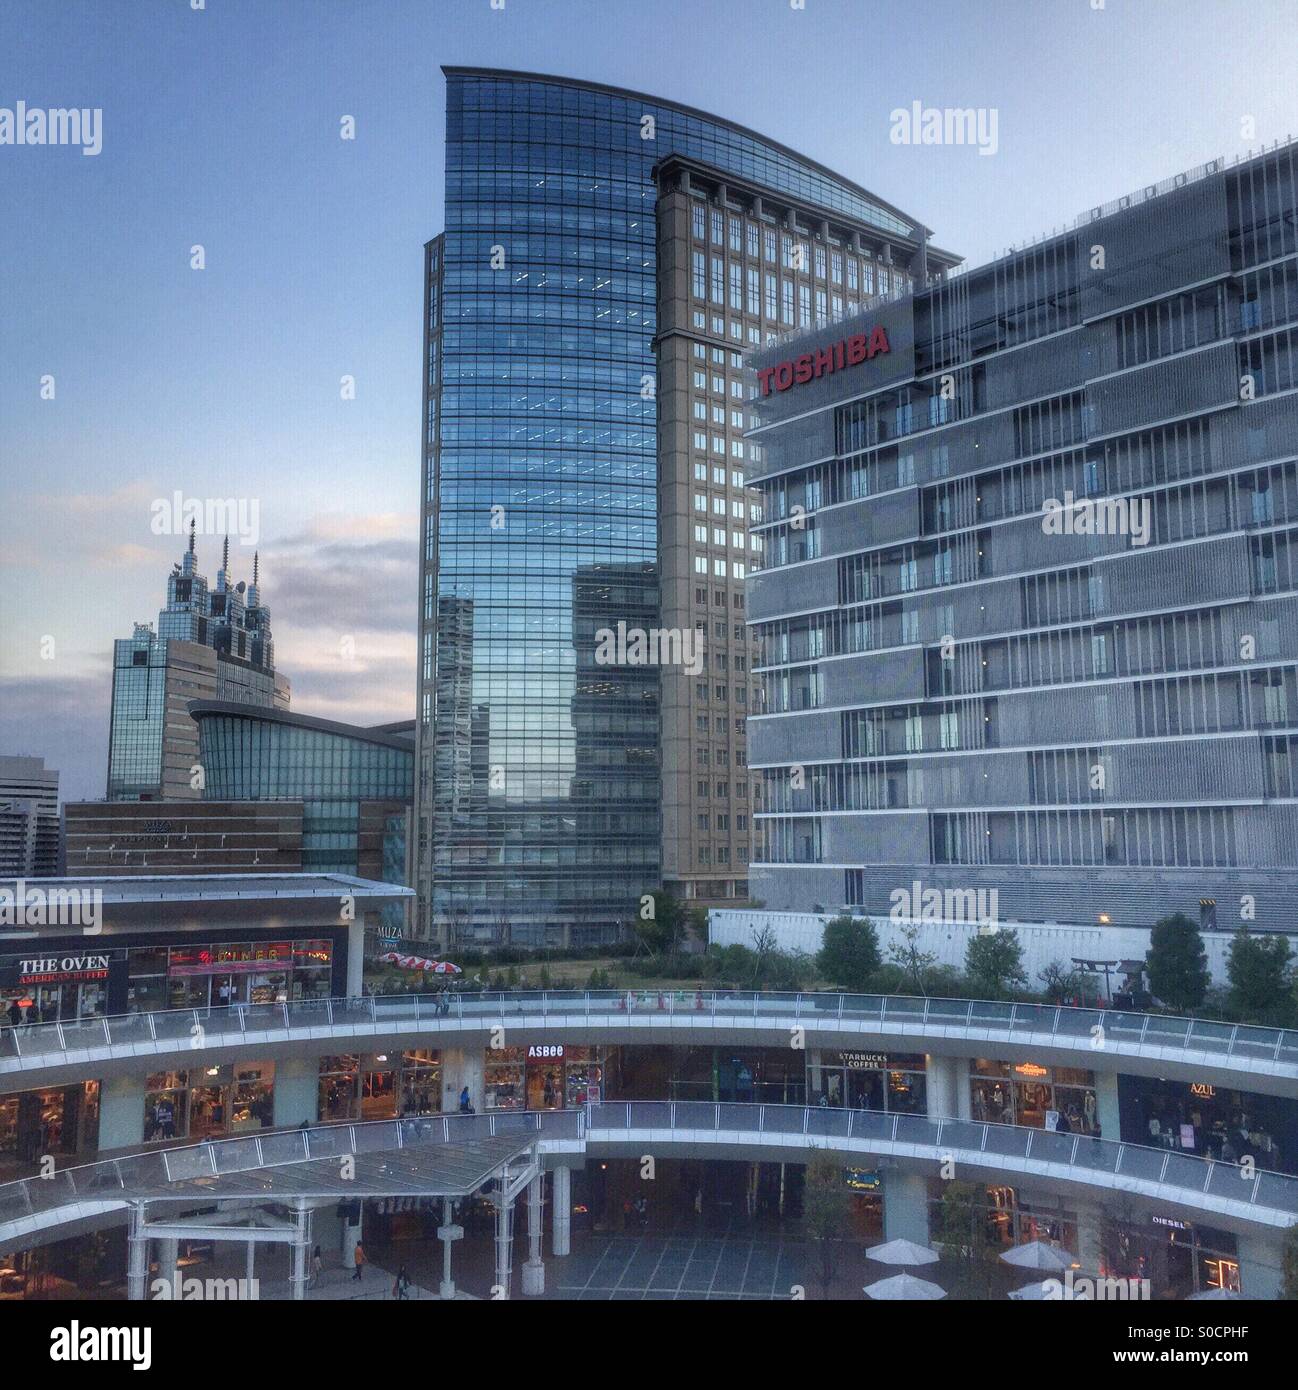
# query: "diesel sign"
848,352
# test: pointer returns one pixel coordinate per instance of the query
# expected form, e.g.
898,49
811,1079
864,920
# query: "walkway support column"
448,1232
1260,1266
168,1258
562,1200
1106,1104
504,1244
300,1252
905,1206
137,1268
534,1269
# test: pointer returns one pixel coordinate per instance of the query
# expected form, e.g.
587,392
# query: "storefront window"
421,1083
1026,1093
1211,1121
896,1082
254,972
62,1120
543,1076
166,1106
340,1087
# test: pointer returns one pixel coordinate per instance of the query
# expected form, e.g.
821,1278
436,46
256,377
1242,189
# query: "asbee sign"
847,352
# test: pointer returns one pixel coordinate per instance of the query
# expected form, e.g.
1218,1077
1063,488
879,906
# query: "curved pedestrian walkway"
34,1208
1251,1058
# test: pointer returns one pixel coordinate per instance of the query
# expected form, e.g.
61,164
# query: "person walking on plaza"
358,1259
401,1285
317,1264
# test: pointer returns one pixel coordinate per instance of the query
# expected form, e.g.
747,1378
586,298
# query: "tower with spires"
211,643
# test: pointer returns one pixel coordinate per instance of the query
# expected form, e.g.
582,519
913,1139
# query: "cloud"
63,719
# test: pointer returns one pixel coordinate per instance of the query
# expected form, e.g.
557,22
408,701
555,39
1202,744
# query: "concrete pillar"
942,1083
356,957
504,1247
1260,1274
301,1254
297,1091
121,1112
1106,1104
168,1256
137,1267
461,1067
905,1206
351,1238
1090,1237
250,1264
448,1232
534,1269
562,1202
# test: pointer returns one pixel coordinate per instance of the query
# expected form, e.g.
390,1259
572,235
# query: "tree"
825,1211
849,953
1258,968
994,961
1178,964
1060,981
963,1240
913,962
661,923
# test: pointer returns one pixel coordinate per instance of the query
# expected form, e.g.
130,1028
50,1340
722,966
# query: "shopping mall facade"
1061,1117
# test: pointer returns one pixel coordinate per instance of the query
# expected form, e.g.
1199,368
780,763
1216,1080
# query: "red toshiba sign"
848,352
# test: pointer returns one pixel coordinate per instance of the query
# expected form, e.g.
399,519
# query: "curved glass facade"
538,805
355,790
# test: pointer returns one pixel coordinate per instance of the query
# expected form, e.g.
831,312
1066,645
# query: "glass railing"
32,1045
147,1175
1087,1158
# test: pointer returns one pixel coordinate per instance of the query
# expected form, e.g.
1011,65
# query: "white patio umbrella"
903,1252
1036,1292
1037,1254
1205,1294
903,1286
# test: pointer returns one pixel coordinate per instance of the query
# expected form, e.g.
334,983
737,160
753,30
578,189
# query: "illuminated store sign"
1030,1069
548,1051
48,970
847,352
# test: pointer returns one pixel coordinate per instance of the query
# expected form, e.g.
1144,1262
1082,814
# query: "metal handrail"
37,1043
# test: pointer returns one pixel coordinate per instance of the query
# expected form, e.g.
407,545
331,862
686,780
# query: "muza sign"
847,352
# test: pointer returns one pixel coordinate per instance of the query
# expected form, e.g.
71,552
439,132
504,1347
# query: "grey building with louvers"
1027,603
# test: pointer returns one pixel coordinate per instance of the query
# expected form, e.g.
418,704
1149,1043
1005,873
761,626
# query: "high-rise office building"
1029,598
29,818
564,325
210,644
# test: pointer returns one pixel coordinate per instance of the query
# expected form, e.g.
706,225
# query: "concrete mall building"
1027,604
608,260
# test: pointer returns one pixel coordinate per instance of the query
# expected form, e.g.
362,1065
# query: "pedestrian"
466,1107
15,1013
317,1264
358,1259
401,1285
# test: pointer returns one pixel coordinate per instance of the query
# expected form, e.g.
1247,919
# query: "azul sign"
847,352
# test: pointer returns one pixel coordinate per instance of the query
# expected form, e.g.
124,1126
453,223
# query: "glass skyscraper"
538,793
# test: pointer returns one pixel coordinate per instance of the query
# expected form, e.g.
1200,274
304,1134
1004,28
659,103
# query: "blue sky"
221,129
